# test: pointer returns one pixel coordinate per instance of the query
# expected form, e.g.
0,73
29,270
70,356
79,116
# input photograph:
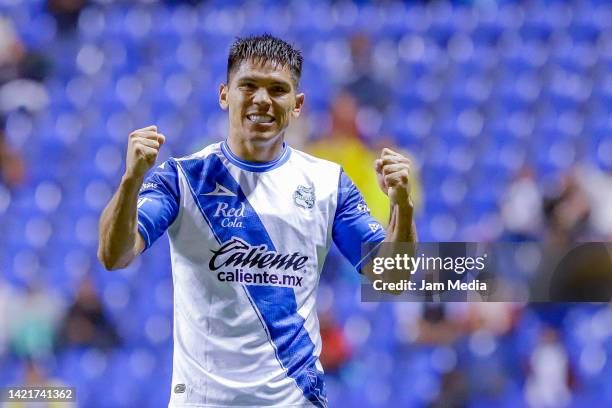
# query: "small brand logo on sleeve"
374,226
148,186
362,207
179,388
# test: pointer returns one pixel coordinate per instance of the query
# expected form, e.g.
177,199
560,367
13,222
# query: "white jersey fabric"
248,242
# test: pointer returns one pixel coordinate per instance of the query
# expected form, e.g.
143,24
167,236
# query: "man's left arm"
354,225
393,174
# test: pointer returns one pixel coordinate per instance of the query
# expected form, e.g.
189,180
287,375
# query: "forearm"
401,224
118,229
401,237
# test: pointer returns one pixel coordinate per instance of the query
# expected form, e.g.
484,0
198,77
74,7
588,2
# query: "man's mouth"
260,118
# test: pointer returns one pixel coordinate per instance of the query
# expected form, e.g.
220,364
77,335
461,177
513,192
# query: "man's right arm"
119,240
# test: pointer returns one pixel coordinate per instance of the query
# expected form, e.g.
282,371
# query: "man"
250,221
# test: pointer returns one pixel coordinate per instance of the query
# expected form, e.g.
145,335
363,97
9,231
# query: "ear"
223,90
299,103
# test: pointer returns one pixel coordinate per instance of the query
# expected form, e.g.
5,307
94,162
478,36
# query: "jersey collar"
256,166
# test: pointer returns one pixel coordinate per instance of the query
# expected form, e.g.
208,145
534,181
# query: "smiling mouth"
260,118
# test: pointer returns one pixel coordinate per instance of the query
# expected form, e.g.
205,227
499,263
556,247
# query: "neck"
256,151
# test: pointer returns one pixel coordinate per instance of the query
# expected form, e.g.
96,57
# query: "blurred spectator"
567,211
597,183
344,146
11,51
12,169
454,391
498,318
584,274
86,323
549,378
336,351
37,314
21,73
66,13
441,323
7,295
521,208
363,84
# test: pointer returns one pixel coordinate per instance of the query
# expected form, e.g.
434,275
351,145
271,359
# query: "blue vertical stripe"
275,304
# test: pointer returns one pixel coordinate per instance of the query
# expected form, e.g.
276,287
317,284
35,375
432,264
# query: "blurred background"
504,108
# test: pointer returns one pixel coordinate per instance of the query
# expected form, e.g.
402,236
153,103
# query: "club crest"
304,197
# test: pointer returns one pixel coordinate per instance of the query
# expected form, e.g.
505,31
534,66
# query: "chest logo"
230,216
304,197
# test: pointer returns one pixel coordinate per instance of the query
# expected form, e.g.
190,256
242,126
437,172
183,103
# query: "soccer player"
250,222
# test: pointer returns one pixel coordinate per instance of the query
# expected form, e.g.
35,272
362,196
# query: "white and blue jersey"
248,242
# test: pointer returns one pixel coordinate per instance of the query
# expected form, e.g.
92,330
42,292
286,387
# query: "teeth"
260,118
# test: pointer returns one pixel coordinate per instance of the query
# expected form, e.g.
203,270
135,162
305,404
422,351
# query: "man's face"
261,99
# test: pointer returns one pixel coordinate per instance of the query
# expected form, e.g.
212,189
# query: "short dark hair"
264,48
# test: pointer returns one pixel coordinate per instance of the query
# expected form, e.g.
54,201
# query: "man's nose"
261,97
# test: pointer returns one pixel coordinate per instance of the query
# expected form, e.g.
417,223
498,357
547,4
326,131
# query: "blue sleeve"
353,224
158,202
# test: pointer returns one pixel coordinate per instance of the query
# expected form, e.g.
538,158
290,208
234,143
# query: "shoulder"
171,168
309,160
214,148
196,162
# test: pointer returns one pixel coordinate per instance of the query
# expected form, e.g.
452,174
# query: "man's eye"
247,86
278,89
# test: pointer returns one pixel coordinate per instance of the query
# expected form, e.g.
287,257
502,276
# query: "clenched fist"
143,147
392,173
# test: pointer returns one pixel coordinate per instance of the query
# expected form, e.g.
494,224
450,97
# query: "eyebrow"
257,79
